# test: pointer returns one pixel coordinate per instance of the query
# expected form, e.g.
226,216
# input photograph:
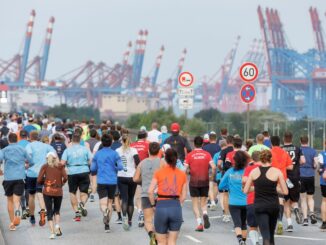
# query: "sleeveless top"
148,168
265,191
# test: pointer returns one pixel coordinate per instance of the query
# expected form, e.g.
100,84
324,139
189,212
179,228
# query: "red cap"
175,127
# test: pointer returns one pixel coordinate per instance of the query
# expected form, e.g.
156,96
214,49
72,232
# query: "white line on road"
216,217
301,238
193,239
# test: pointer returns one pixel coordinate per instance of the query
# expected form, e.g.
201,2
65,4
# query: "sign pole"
248,121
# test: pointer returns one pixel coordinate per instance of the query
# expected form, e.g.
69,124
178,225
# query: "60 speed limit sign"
248,72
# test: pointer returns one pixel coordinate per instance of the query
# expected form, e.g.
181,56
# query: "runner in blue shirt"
77,159
322,171
37,152
307,179
14,157
106,164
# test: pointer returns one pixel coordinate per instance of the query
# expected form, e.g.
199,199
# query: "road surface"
91,230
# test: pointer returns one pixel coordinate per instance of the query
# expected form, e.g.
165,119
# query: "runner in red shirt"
251,218
229,161
199,161
282,161
142,147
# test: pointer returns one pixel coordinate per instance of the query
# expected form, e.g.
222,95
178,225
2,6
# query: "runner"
58,144
53,176
251,218
171,184
127,186
24,198
259,146
154,134
198,161
144,174
265,179
232,181
322,171
37,152
14,158
106,164
220,165
282,161
179,143
77,159
164,135
212,148
292,199
267,140
92,141
307,179
141,145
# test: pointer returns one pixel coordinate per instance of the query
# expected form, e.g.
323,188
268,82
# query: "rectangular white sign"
186,92
186,103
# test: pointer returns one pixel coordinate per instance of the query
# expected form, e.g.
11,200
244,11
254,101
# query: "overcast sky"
99,30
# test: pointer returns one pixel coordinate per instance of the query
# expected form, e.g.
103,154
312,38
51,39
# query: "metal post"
186,114
248,121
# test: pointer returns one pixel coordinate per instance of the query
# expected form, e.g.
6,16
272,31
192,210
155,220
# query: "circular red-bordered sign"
248,72
247,93
186,79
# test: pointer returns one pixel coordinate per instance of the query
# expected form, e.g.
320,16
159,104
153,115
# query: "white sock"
289,220
253,235
213,203
205,212
140,211
57,226
199,221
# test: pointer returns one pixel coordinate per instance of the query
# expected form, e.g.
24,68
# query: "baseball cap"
175,127
165,147
164,129
212,133
143,128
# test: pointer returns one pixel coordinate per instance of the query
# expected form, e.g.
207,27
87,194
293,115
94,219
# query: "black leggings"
267,219
239,216
53,205
127,188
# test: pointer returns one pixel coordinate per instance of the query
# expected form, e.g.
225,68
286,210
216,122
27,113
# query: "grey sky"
99,30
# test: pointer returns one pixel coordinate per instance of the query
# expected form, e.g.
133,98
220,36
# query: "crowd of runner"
255,182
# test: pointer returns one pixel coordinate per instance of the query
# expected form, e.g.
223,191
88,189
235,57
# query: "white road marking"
193,239
187,200
216,217
301,238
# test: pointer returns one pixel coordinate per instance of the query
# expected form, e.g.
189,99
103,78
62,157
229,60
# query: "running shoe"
58,231
208,203
52,236
298,216
25,214
12,227
152,240
305,222
42,218
242,243
141,219
32,220
279,229
17,218
106,217
77,217
118,221
82,209
206,221
91,197
125,224
289,228
226,219
213,207
323,226
313,219
200,228
107,228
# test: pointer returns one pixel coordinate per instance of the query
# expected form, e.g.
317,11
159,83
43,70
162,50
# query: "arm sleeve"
224,185
136,159
94,166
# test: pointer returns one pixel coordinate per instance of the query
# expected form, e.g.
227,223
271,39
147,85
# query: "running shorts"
32,186
294,193
13,187
168,216
78,181
198,191
323,190
145,203
106,191
307,185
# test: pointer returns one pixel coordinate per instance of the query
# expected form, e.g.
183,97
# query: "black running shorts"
78,181
198,191
294,193
106,191
13,187
323,190
307,185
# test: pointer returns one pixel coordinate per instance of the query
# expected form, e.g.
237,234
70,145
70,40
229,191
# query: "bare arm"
183,193
151,191
283,188
248,184
302,159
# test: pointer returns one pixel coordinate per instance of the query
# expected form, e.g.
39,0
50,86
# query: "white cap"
51,154
206,137
212,132
143,128
165,147
164,129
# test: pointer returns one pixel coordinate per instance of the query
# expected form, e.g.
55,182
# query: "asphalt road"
91,230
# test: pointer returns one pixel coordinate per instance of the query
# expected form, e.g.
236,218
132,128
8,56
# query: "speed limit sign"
248,72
